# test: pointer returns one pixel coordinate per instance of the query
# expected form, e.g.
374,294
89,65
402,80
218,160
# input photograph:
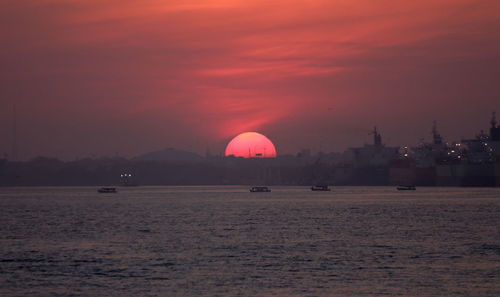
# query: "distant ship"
260,189
107,190
320,188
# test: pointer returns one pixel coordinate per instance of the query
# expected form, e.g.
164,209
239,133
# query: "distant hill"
170,155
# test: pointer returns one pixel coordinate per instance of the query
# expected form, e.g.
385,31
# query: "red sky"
129,76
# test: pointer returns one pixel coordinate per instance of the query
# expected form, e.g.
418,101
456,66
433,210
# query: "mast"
494,130
14,133
436,137
377,138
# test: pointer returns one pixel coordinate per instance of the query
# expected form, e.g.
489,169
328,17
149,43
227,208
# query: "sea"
226,241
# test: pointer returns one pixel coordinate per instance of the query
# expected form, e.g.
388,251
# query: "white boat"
320,188
107,190
406,188
260,189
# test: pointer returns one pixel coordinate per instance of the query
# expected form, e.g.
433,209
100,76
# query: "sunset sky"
129,76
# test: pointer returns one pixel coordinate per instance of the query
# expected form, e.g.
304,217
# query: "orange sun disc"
251,145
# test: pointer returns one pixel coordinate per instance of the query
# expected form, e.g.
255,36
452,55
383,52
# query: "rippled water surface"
225,241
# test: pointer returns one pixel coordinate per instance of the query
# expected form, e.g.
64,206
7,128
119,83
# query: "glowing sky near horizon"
129,76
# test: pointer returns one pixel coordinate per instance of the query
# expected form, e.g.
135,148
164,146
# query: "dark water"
225,241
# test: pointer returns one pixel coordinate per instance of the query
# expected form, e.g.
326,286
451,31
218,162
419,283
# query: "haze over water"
225,241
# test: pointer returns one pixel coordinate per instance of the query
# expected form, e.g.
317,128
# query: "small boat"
107,190
260,189
320,188
406,188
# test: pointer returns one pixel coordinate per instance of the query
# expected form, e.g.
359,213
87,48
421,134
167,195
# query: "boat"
107,190
406,188
260,189
320,188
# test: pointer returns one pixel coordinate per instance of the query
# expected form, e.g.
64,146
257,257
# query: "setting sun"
251,145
